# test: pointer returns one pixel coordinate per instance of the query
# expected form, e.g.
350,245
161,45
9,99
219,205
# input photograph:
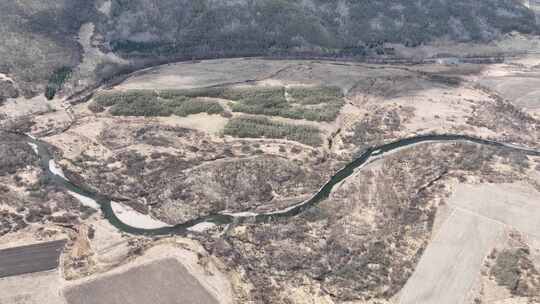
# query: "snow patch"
201,227
6,77
34,147
85,201
241,214
55,169
136,219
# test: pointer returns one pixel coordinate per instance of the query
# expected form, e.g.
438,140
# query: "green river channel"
221,219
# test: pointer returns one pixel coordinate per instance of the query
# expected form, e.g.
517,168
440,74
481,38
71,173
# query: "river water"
222,218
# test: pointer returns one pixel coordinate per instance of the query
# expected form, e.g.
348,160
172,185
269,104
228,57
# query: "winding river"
105,204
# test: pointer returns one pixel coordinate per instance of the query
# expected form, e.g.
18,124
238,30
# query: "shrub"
96,107
140,107
150,103
196,106
316,95
314,103
57,80
257,127
272,102
107,99
202,92
510,270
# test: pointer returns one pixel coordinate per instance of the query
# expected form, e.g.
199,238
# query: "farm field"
161,282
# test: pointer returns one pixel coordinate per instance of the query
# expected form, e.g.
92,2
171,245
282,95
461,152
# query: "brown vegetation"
364,242
513,268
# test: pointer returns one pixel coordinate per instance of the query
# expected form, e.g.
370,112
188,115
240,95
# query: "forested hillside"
263,26
40,37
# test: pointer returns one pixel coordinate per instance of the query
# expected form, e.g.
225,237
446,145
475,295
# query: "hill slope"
41,38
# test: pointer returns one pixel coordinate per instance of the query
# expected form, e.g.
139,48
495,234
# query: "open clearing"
515,205
31,258
160,282
453,260
36,288
204,73
517,81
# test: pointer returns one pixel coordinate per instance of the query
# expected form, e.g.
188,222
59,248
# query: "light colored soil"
515,205
516,80
38,288
481,213
83,138
204,73
108,244
437,110
211,124
31,235
15,107
452,261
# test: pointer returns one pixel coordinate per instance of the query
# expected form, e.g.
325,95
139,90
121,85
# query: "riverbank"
220,219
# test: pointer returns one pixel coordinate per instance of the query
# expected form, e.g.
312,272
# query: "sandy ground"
480,214
135,219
